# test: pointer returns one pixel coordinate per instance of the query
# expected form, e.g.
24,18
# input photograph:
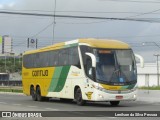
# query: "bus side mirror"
140,59
93,58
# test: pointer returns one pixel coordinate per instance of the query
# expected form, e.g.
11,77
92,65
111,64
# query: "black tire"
33,94
38,93
114,103
46,98
78,97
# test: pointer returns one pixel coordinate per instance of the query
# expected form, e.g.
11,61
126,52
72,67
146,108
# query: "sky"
144,37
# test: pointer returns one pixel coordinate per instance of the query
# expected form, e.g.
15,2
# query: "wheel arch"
75,88
38,86
31,86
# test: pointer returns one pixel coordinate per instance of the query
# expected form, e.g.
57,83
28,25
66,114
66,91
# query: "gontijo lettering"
40,73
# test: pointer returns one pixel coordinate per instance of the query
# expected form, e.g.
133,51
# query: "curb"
148,96
12,93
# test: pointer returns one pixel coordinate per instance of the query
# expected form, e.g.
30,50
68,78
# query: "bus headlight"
99,88
101,96
134,96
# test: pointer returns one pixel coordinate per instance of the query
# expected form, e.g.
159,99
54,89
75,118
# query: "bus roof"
96,43
105,43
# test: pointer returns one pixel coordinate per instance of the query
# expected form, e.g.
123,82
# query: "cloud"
12,4
1,6
7,4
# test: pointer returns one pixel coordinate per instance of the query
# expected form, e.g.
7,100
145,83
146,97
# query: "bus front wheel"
78,97
33,94
114,103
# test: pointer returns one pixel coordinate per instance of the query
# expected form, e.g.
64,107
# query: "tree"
11,64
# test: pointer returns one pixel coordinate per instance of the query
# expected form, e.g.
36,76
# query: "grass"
11,89
150,88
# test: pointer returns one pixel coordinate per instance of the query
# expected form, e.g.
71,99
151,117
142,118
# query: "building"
147,76
4,76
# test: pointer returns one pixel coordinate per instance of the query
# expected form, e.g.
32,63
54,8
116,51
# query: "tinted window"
63,57
74,57
67,56
53,58
43,59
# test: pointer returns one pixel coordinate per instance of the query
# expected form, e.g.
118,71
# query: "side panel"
59,79
64,81
37,76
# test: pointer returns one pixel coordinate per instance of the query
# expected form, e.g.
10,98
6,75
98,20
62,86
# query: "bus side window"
37,60
60,56
33,56
28,61
63,57
74,57
42,59
53,58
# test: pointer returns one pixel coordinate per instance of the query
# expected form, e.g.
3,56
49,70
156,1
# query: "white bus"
83,69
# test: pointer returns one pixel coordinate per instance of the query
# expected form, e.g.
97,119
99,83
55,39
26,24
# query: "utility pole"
54,21
157,55
5,64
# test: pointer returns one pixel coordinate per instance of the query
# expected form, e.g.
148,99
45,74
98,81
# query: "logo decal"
89,95
121,80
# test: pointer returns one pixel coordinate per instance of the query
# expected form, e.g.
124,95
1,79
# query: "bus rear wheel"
33,94
78,97
38,93
114,103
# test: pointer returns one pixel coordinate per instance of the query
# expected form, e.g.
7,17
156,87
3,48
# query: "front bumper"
103,96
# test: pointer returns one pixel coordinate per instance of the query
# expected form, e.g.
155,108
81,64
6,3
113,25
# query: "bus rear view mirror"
141,60
93,58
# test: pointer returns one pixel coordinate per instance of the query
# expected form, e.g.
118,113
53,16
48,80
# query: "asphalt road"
14,102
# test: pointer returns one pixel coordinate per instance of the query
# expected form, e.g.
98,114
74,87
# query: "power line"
69,16
139,14
136,1
144,13
25,10
73,11
42,30
45,37
54,20
102,12
79,17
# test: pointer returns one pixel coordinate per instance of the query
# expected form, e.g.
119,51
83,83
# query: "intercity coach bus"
81,70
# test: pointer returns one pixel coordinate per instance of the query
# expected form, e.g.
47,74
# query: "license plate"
119,97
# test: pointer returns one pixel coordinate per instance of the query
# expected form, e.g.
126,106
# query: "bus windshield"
116,67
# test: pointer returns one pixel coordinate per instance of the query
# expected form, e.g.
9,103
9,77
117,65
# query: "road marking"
156,104
32,106
100,115
77,112
12,93
16,104
113,117
52,109
3,103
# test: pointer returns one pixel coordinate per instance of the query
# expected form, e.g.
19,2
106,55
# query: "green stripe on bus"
55,79
131,86
59,79
127,87
62,79
124,87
